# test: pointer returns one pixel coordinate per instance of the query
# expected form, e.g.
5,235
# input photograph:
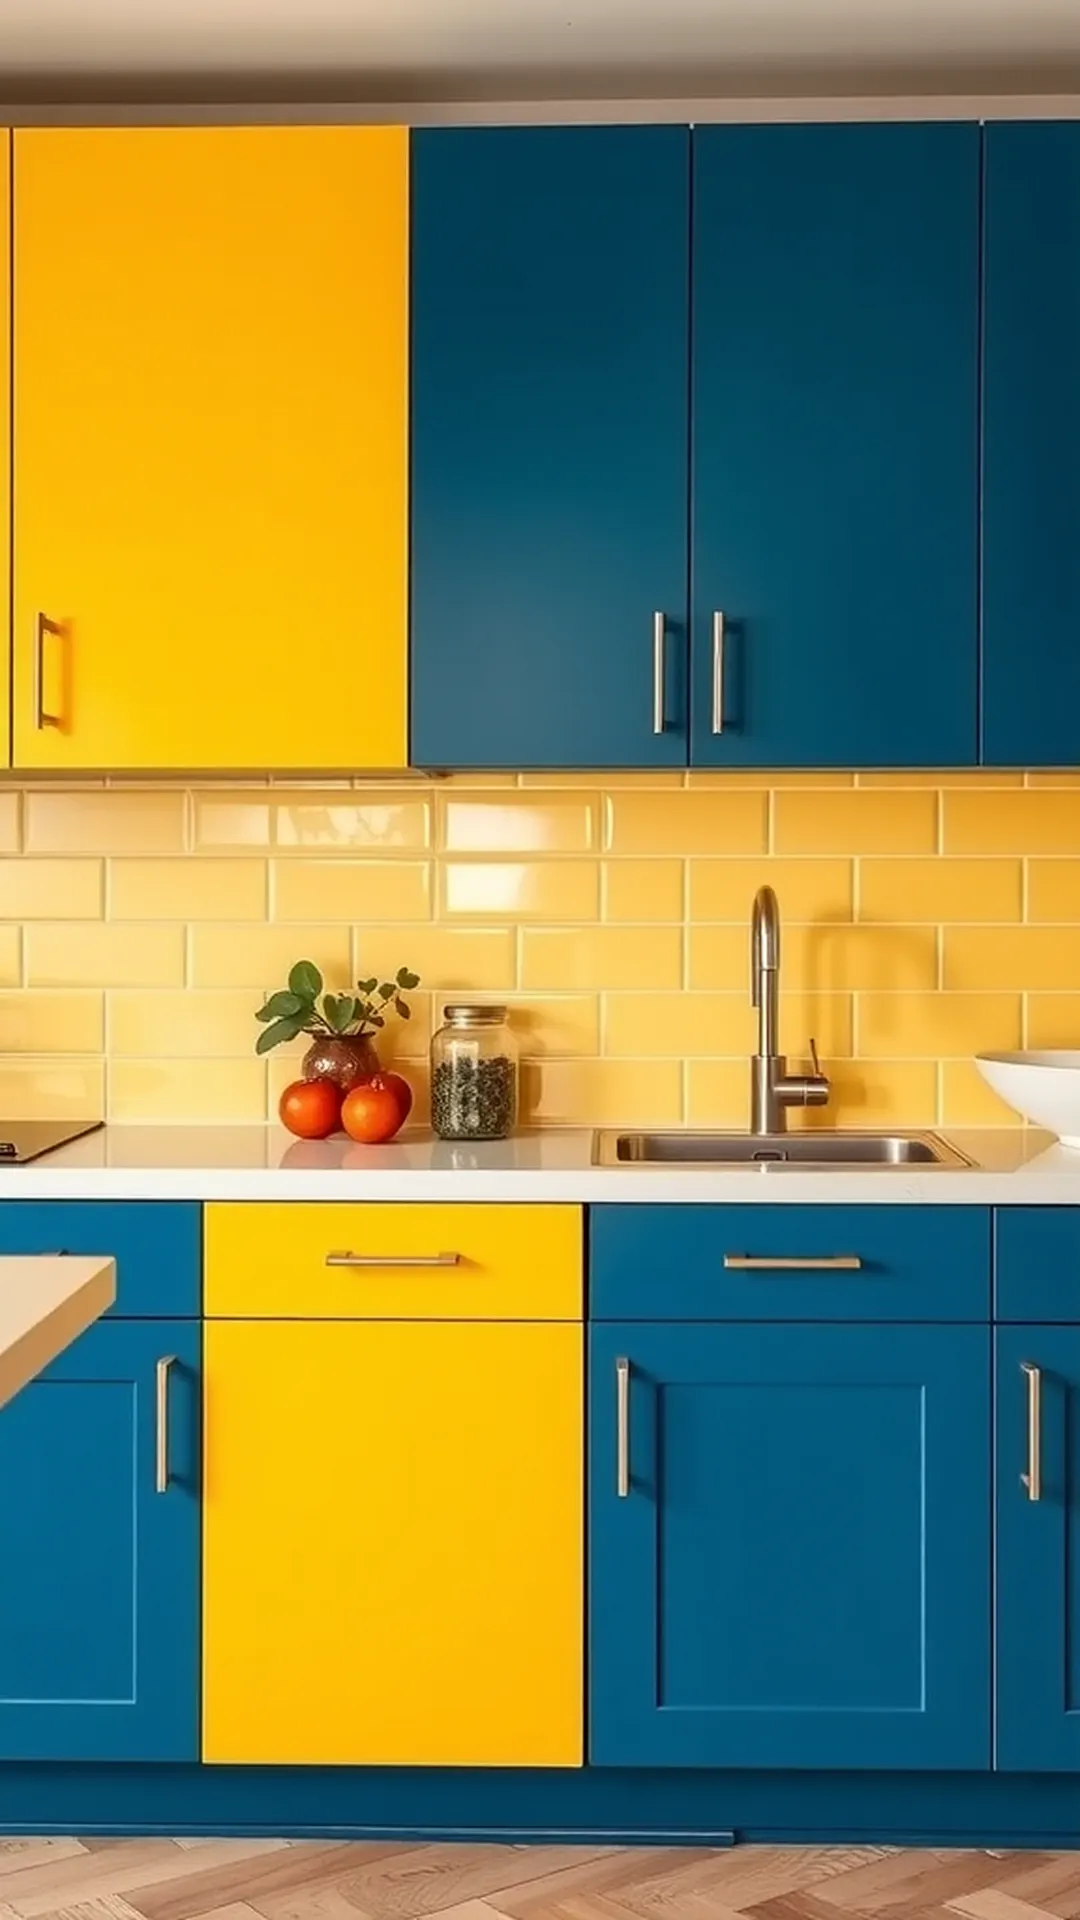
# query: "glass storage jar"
474,1075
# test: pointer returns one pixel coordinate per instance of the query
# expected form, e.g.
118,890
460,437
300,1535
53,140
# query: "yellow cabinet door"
210,447
393,1556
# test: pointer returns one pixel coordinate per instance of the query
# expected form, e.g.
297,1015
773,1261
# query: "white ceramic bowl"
1044,1087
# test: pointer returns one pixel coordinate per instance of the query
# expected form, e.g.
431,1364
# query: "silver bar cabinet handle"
658,632
718,672
346,1259
42,718
622,1429
161,1464
794,1263
1032,1479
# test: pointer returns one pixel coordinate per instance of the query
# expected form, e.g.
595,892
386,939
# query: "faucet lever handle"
814,1061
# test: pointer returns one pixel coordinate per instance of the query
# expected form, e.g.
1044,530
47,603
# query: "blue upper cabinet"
549,404
835,485
1038,1549
99,1603
790,1546
1031,447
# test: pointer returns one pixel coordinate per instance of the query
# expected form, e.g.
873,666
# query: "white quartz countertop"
46,1301
1013,1167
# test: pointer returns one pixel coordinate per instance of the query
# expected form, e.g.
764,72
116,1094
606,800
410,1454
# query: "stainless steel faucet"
772,1088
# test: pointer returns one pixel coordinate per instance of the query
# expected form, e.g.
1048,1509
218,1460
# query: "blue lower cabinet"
1038,1549
99,1519
790,1546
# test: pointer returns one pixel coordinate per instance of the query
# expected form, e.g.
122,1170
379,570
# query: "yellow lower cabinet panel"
393,1555
421,1261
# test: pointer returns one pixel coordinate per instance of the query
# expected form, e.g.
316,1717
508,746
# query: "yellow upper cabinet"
5,420
210,406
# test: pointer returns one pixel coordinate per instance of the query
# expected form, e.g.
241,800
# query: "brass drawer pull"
793,1263
622,1429
346,1259
161,1462
718,673
1032,1479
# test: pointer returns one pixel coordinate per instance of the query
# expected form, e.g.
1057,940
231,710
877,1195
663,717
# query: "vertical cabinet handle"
161,1462
718,672
42,717
658,633
622,1429
1032,1479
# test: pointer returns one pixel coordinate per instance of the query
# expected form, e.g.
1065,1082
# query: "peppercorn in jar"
474,1075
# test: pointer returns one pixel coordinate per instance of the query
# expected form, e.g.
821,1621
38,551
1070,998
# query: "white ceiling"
448,48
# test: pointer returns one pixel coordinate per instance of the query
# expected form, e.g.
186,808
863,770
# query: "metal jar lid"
474,1016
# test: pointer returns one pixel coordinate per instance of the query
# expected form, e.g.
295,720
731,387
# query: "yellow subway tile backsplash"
599,957
1020,959
942,889
349,890
933,1026
1054,891
51,1088
51,889
726,822
518,823
1053,1019
77,821
610,912
520,889
65,1022
164,1090
94,953
1031,822
182,1022
861,821
807,889
260,957
643,890
189,889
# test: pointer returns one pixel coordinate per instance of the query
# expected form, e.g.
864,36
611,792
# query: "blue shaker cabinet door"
1031,447
835,399
99,1603
792,1567
1038,1550
549,406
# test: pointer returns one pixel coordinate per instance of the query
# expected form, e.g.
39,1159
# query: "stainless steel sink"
816,1148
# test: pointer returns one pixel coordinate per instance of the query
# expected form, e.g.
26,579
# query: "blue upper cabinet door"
1038,1549
99,1603
792,1568
835,483
1031,447
549,403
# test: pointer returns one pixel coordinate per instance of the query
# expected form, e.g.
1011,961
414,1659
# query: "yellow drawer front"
312,1260
393,1554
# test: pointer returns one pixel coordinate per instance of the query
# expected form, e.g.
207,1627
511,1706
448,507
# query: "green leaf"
376,1019
386,991
305,980
347,1010
407,979
273,1036
404,1010
367,986
281,1006
339,1010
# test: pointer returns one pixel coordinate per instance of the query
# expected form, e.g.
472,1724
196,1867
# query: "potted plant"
342,1026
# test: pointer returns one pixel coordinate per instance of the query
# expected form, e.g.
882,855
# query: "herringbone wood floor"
317,1880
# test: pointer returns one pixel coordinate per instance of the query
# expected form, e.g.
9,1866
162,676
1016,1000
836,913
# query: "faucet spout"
772,1088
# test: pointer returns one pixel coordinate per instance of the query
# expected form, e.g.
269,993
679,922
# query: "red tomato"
401,1090
311,1108
371,1112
